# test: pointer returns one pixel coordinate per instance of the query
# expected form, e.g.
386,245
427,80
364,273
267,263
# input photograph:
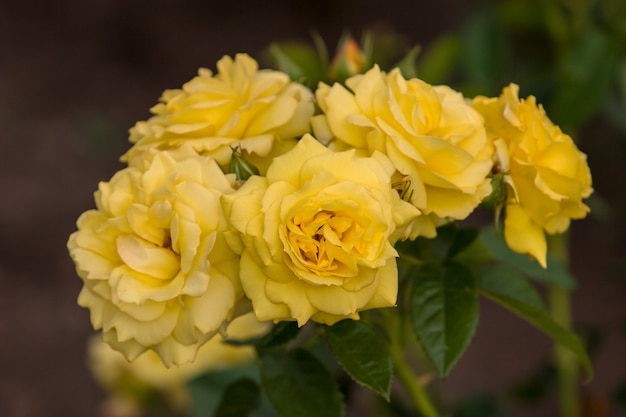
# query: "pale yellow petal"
147,258
522,235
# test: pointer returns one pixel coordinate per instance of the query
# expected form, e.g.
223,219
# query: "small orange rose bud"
348,61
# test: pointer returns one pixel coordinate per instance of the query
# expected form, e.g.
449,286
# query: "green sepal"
241,167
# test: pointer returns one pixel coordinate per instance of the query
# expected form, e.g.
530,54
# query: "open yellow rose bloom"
316,234
238,106
547,175
434,138
157,271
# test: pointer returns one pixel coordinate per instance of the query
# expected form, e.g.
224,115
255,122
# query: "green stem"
560,306
416,391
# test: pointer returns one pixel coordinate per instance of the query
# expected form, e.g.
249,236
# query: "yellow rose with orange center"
436,141
240,106
157,272
548,176
316,234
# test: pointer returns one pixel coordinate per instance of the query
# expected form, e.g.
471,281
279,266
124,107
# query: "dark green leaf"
363,354
205,391
463,238
444,312
298,385
505,280
449,242
475,254
239,400
542,320
281,334
452,239
299,60
414,251
555,274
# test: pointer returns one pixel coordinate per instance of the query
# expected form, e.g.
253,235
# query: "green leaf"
541,319
444,312
363,354
298,385
505,280
299,60
449,242
461,239
239,400
281,334
206,390
555,274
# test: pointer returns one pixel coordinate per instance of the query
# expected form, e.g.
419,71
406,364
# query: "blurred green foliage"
570,54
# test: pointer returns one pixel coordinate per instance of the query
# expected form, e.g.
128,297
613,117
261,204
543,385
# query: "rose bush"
316,234
239,106
157,272
547,175
435,140
225,208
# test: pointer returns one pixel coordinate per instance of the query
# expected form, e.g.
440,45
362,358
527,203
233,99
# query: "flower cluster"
181,243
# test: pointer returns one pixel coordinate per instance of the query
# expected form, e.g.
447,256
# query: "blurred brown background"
75,75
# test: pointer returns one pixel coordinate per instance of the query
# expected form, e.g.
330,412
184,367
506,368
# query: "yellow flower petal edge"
548,177
157,272
317,234
240,106
434,138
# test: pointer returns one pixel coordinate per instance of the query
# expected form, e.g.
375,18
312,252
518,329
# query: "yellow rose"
435,140
157,272
125,382
548,176
239,106
317,233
